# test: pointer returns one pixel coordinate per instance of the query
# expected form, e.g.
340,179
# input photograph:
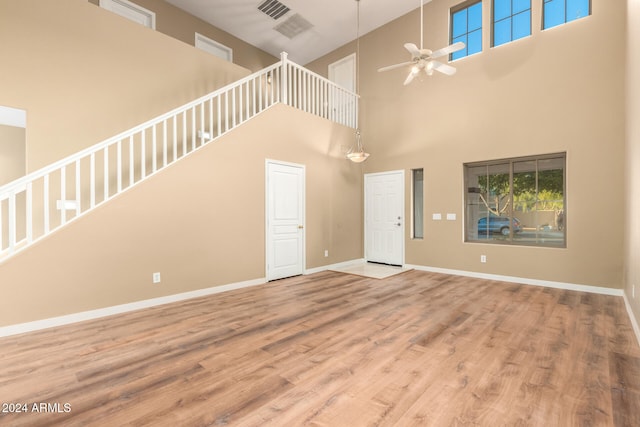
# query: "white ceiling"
334,22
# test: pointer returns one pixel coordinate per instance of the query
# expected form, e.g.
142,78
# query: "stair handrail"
20,182
283,82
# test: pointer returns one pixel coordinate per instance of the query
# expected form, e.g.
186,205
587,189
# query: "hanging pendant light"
357,154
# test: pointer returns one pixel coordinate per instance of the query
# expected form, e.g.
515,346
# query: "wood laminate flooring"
332,349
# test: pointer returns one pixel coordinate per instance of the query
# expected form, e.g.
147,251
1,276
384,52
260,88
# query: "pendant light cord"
358,49
421,25
359,143
359,155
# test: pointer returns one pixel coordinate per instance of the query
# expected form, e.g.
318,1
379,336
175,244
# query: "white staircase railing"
41,202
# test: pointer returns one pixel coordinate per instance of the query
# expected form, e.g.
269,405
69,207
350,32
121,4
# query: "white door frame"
403,220
268,236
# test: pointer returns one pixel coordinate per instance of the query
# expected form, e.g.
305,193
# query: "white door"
342,73
384,217
285,197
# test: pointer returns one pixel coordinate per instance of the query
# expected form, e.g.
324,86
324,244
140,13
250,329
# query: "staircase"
42,202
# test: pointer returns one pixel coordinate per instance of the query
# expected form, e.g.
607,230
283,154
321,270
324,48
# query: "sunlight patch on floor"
375,271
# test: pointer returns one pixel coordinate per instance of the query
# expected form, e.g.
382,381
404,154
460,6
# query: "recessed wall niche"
13,162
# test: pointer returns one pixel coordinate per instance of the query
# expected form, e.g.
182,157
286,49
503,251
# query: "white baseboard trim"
634,321
123,308
21,328
523,280
334,266
52,322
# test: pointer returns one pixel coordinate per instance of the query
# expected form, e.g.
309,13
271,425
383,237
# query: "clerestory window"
511,20
558,12
466,27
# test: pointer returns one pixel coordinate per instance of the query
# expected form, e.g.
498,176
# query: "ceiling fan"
425,59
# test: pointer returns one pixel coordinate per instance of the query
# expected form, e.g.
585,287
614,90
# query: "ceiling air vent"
273,8
293,26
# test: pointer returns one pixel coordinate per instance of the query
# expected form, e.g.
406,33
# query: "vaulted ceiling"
324,25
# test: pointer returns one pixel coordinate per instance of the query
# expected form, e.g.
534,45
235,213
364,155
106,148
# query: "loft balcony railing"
41,202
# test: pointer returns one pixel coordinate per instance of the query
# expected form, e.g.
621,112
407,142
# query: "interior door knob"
301,227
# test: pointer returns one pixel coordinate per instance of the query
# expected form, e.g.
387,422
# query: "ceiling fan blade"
413,50
443,68
393,67
447,50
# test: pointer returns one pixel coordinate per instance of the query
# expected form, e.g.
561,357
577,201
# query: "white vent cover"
273,8
213,47
131,11
293,26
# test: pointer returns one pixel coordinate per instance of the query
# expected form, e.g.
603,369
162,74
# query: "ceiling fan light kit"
425,59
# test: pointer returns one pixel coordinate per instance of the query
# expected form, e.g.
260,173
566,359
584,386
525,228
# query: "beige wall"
543,94
200,223
539,95
632,225
12,153
181,25
85,74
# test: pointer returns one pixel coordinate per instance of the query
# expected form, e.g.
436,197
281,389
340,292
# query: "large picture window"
517,201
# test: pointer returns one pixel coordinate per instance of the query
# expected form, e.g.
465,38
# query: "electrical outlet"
483,258
156,278
326,253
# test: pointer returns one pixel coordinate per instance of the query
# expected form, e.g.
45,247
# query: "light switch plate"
437,217
451,217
